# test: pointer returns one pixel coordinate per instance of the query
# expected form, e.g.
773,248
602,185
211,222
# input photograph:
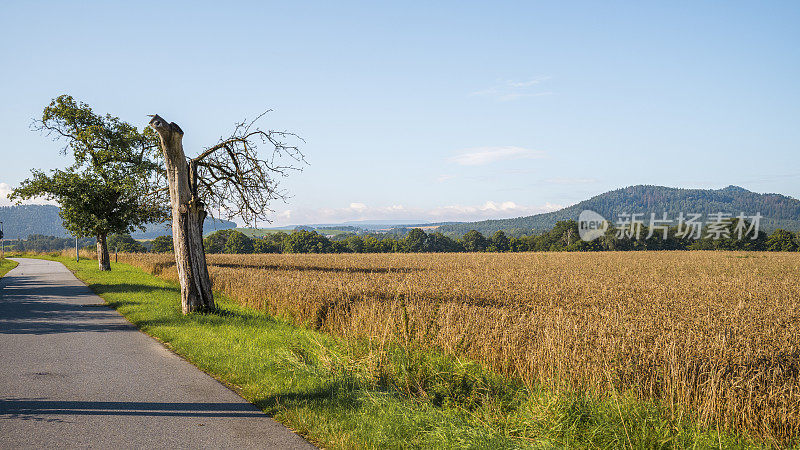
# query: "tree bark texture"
188,214
103,259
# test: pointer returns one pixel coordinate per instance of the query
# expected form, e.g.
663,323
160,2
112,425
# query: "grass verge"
347,394
6,265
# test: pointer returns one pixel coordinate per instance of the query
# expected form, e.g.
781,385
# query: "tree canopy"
91,205
237,242
125,243
162,244
106,188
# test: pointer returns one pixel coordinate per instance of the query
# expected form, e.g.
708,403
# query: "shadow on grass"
215,317
132,288
218,317
225,313
338,395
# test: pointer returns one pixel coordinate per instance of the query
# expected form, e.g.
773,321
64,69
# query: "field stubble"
710,335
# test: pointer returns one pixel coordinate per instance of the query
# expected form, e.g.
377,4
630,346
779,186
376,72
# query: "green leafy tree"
729,240
277,238
374,244
439,243
162,244
500,242
781,241
339,247
560,238
261,245
215,242
42,243
473,241
238,242
415,240
106,189
125,243
90,206
306,242
517,244
354,244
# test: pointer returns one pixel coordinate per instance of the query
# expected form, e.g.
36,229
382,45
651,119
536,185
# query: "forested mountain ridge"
21,221
778,211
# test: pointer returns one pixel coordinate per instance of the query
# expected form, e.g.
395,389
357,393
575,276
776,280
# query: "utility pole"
77,253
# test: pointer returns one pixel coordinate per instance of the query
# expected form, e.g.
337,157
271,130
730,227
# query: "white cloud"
358,207
444,177
6,189
513,90
480,156
447,213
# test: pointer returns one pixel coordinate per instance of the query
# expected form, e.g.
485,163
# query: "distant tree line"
42,243
115,242
564,236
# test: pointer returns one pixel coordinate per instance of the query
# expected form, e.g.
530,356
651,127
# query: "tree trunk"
103,259
188,214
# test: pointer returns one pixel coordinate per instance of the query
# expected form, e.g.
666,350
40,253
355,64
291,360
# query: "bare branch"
236,180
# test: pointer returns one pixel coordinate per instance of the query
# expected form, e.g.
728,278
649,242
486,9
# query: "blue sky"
431,110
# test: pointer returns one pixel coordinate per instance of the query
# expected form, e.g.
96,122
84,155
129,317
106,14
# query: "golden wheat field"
711,335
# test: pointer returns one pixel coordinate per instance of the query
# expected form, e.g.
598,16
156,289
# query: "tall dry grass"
711,335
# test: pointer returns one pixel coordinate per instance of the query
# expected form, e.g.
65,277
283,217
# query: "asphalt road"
76,374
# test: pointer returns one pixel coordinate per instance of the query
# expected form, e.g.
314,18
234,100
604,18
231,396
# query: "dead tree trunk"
188,214
103,260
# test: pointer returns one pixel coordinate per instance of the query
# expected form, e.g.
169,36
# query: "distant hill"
779,211
20,221
23,220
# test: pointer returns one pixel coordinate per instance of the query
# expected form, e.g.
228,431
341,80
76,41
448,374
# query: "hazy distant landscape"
779,211
22,221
